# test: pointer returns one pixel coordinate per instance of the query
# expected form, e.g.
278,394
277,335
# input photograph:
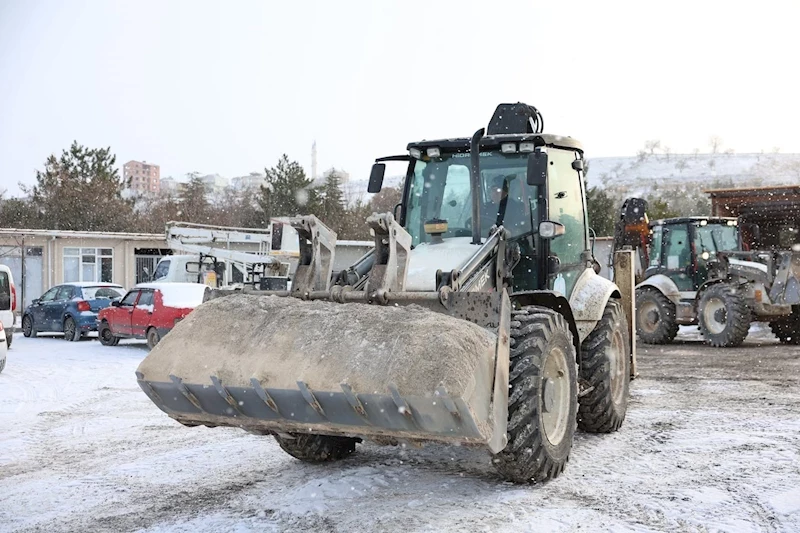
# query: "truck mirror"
537,168
193,267
376,177
549,229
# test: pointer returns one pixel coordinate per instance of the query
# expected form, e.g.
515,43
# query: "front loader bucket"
271,364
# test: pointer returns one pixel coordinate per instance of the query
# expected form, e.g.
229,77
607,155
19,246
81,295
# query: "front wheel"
724,316
787,329
107,338
655,317
542,399
27,327
71,330
317,448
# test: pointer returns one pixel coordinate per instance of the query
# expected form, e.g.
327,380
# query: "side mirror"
537,168
376,177
550,230
193,267
115,303
35,301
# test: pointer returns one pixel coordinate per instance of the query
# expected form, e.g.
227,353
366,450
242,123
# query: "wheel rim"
616,356
649,316
555,396
27,326
152,337
106,334
69,329
715,315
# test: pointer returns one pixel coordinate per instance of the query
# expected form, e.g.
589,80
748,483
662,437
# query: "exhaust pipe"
475,177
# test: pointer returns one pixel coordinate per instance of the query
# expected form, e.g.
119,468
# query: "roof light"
434,152
416,153
508,148
527,147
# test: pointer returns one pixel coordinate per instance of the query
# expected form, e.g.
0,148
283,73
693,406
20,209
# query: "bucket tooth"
149,388
441,393
225,394
185,391
310,398
402,406
353,400
264,395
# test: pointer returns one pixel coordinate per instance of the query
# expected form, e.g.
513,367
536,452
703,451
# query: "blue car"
70,309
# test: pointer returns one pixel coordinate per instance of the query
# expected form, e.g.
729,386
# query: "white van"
8,303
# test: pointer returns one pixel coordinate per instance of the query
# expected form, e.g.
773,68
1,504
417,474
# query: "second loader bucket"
271,364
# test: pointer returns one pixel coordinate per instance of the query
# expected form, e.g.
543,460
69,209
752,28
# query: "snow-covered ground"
711,443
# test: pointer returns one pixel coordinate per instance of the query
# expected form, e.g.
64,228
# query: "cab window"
130,298
565,204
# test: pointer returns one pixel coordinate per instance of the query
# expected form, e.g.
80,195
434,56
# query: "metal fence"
145,267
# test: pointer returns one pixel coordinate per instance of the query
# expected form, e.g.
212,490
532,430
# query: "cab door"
677,257
142,312
568,253
123,314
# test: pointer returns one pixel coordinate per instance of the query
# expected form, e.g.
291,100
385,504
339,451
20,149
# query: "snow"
148,307
184,295
711,443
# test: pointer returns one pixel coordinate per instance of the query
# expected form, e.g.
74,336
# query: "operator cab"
681,248
440,194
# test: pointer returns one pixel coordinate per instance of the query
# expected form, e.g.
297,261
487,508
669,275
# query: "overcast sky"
226,87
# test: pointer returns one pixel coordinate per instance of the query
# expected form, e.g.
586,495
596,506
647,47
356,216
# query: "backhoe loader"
478,319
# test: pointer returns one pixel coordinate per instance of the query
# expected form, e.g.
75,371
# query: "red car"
149,311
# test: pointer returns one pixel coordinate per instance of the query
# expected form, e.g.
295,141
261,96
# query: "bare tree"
652,146
715,142
667,151
681,165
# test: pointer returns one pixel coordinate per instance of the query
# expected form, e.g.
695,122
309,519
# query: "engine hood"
427,258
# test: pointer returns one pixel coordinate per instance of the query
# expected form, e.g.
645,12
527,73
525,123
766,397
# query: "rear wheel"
724,316
9,337
152,338
28,330
317,448
107,338
605,367
71,330
655,317
543,397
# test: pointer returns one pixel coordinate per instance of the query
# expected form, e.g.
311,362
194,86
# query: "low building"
252,181
40,259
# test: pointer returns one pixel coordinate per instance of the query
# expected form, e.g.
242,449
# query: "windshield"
92,293
161,270
440,189
713,238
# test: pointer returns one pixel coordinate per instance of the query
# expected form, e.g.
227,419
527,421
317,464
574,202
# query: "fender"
556,302
589,298
664,285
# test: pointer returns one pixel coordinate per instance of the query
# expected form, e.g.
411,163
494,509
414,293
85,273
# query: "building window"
88,264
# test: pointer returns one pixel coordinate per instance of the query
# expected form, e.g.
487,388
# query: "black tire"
606,370
540,342
655,317
71,330
2,365
9,338
317,448
724,316
106,337
787,329
28,329
152,338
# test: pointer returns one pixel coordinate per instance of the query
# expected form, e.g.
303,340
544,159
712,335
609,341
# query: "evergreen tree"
82,191
288,191
194,204
600,211
331,208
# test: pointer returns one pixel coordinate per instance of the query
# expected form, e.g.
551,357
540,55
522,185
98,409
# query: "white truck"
229,257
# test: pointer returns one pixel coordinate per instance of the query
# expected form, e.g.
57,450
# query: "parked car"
8,303
3,347
149,311
70,308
